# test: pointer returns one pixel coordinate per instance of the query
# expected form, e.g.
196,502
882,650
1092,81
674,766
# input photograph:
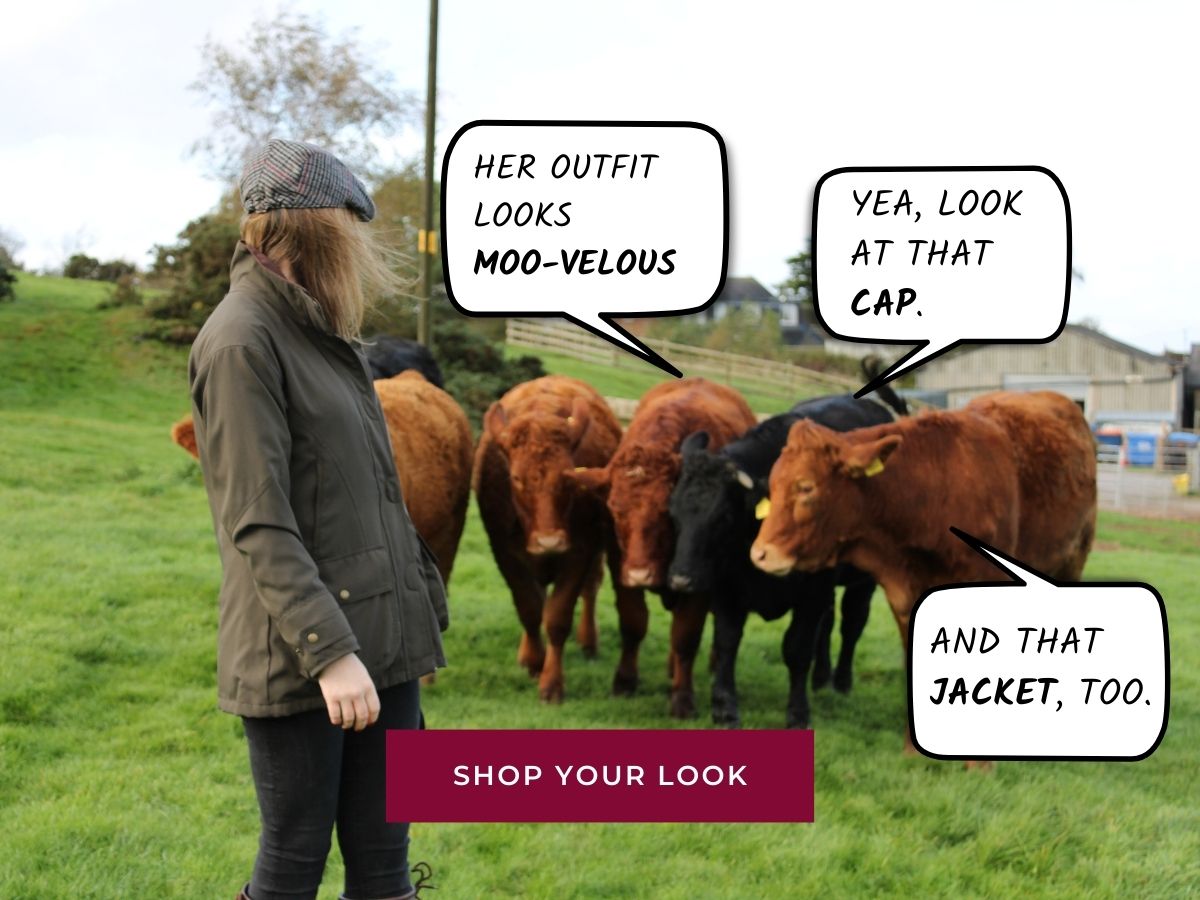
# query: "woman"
330,607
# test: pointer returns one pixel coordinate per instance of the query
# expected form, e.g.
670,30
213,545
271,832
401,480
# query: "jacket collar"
299,303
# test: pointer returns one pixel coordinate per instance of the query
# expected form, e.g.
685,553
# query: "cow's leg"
901,602
728,625
688,613
529,596
808,636
856,607
798,643
633,618
559,612
586,634
822,664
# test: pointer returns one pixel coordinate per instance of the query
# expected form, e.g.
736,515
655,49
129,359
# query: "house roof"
745,290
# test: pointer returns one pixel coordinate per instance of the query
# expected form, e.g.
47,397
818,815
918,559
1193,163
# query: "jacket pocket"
363,583
434,583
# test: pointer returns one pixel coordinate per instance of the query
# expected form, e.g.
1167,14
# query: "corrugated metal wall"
1120,380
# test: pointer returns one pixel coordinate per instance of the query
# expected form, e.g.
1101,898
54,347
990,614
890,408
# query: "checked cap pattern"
294,175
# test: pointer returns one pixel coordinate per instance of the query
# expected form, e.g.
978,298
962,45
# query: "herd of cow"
698,502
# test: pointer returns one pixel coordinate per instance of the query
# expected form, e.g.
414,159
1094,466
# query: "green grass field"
120,778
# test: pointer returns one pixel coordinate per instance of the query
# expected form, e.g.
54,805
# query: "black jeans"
310,774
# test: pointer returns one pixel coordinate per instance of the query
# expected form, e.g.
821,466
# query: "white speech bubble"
1004,276
988,694
585,220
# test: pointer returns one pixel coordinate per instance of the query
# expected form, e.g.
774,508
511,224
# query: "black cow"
390,356
713,508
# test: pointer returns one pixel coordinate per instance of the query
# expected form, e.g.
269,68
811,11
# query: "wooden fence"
762,375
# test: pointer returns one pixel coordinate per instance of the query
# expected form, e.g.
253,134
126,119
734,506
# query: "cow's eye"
805,487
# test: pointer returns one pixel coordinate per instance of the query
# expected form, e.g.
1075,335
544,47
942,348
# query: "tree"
80,265
799,281
399,207
748,331
10,246
197,267
291,79
7,280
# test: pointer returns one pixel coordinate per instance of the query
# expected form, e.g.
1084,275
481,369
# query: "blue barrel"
1141,449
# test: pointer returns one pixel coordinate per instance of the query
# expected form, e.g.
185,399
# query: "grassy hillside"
634,377
119,777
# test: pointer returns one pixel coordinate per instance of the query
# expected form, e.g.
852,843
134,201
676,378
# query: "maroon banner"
599,776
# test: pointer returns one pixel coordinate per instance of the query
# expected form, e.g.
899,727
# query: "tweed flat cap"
294,175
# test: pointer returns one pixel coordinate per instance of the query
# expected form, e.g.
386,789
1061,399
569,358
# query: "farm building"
1191,390
749,294
1109,379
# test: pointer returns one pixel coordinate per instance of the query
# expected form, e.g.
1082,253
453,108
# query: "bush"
80,265
114,270
476,372
194,271
7,280
125,293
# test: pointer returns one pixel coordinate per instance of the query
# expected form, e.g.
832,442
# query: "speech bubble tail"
1012,567
602,325
920,354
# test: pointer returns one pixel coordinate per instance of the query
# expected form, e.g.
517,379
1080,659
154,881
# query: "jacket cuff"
320,643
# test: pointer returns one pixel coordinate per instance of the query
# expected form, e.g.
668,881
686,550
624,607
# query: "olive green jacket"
318,553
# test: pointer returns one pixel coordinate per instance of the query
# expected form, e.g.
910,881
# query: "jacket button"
312,637
344,594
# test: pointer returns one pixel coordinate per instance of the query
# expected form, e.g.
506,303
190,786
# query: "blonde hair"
333,255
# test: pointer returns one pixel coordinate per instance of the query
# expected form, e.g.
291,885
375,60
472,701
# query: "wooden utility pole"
427,244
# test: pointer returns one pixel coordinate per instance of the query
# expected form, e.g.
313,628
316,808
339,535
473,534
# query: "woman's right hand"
350,694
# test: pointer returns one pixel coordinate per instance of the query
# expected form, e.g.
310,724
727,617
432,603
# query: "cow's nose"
637,577
551,541
768,558
681,583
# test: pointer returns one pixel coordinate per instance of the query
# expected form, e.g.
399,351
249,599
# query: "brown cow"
637,484
432,446
884,498
543,530
1056,465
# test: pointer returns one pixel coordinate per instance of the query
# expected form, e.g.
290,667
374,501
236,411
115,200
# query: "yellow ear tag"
581,468
763,509
874,468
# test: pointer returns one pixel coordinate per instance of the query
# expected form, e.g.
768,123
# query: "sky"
97,118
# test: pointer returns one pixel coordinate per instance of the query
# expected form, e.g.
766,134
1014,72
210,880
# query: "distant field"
119,778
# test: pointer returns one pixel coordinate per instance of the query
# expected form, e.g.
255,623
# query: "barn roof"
1083,331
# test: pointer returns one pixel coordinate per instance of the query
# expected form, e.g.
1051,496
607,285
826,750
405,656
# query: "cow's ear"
183,433
696,442
495,419
578,422
594,480
867,460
